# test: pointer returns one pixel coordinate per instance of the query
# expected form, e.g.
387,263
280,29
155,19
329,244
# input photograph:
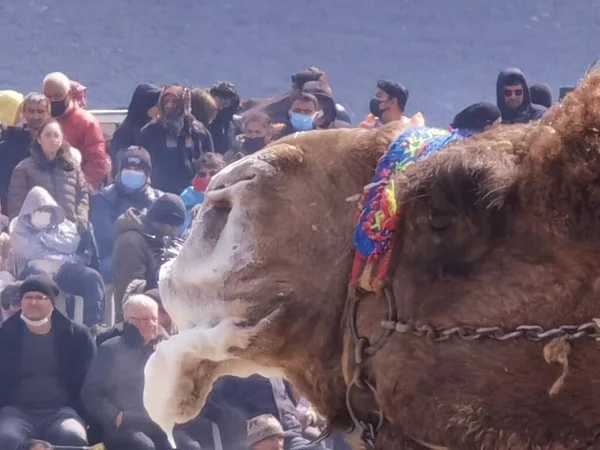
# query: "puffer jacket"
61,177
58,242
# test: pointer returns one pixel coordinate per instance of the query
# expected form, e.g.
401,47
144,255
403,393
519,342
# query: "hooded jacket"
527,112
136,255
127,133
61,177
58,242
13,149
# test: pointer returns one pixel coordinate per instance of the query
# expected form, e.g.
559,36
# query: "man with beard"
225,127
514,100
175,141
15,147
81,129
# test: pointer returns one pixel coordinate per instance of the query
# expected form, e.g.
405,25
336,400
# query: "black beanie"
40,283
135,158
476,116
541,94
168,209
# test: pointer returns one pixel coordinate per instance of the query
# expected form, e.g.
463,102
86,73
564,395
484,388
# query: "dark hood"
144,97
526,112
323,94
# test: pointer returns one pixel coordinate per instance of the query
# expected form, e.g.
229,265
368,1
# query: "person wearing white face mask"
44,241
131,189
45,360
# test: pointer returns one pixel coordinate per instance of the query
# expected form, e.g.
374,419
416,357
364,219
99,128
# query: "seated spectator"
225,127
204,106
140,242
81,128
477,118
175,141
17,140
113,390
10,104
45,358
208,165
265,433
514,100
258,132
328,114
43,241
52,167
143,108
541,94
131,189
301,116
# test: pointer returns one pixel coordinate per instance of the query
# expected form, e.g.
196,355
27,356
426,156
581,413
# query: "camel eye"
440,221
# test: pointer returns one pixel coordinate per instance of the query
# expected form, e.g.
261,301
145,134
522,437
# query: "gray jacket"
115,383
58,242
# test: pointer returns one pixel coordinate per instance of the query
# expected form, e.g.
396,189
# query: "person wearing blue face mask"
131,189
303,112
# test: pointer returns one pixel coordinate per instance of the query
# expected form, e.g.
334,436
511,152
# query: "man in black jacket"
45,358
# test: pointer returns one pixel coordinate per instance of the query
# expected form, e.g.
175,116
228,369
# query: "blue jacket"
105,208
191,197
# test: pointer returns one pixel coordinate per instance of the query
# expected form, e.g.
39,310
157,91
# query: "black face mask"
252,145
132,335
58,108
374,107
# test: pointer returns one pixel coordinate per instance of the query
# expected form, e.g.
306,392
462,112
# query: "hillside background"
447,52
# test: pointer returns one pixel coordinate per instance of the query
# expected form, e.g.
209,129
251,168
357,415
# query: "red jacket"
82,130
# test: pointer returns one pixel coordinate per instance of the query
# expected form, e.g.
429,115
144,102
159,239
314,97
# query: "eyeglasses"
37,298
510,92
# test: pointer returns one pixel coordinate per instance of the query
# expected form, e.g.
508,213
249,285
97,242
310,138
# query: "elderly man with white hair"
113,389
81,129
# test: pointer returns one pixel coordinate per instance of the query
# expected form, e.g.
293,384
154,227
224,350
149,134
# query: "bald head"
56,86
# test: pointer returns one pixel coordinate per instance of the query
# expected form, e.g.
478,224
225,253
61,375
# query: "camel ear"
418,120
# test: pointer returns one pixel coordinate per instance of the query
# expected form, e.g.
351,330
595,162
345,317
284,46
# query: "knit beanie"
40,283
168,209
135,158
476,116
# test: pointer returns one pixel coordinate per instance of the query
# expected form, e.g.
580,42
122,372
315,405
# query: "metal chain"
533,333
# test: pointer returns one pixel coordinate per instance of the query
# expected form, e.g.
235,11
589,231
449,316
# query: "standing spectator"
258,132
140,242
45,358
301,115
390,101
175,141
113,390
10,102
329,111
81,129
17,141
513,98
131,189
541,94
52,167
224,128
143,108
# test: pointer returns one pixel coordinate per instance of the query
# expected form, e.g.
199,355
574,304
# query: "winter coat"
115,382
57,243
174,168
61,177
111,202
75,348
224,131
330,109
127,133
82,130
527,112
136,255
13,149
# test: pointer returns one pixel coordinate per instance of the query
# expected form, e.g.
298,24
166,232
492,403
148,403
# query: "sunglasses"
510,93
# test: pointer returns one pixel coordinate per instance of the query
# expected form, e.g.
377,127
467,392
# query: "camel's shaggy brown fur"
519,244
